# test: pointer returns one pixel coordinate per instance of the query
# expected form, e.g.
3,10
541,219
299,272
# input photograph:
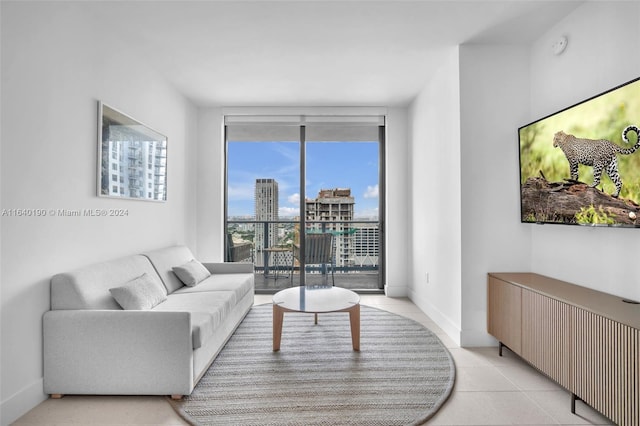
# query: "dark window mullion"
303,210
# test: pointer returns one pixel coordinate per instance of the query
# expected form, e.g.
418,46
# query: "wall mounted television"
562,155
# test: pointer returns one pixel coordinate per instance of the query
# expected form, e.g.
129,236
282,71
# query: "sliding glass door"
292,181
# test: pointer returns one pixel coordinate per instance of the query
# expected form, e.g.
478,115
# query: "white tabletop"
316,299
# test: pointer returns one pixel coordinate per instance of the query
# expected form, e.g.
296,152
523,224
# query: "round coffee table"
316,300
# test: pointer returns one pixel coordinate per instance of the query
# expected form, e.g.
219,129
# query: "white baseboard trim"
395,291
448,326
14,407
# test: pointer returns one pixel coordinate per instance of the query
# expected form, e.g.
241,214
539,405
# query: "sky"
329,165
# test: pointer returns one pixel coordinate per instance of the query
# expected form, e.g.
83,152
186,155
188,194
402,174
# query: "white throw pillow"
139,294
191,273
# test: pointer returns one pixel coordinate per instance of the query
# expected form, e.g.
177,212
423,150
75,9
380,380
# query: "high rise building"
367,242
135,168
266,206
334,206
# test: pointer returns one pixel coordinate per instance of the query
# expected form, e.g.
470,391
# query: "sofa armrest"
117,352
229,267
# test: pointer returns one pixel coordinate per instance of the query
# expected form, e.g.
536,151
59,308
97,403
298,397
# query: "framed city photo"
132,158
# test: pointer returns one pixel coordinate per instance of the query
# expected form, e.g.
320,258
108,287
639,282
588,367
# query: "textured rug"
401,375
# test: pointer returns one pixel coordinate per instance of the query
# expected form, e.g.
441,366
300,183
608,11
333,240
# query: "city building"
366,240
136,168
332,211
266,208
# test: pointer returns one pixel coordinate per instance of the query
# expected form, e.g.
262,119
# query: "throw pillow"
139,294
191,273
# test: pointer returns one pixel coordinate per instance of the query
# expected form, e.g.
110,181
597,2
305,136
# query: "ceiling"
322,53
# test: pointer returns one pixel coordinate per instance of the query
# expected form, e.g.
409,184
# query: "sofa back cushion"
88,287
165,259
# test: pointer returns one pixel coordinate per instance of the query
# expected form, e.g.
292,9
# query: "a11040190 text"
29,212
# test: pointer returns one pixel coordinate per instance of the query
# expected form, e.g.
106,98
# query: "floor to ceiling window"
299,183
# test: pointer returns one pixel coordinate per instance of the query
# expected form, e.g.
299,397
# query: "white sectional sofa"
94,346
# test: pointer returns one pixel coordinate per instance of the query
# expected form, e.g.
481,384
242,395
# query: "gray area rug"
401,375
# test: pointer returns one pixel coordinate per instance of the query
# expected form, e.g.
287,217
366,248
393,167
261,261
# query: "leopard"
599,153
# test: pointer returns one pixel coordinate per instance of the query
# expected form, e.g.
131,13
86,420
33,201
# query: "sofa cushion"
141,293
191,273
165,259
239,284
88,287
208,311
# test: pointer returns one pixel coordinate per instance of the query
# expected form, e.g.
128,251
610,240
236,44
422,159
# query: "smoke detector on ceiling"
559,45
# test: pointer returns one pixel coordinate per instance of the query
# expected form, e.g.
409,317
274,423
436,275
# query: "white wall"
56,64
434,237
494,94
602,53
210,187
397,225
1,207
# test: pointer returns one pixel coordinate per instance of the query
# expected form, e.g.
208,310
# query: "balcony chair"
238,252
318,250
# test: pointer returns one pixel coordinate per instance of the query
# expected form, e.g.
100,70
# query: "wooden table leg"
354,318
278,318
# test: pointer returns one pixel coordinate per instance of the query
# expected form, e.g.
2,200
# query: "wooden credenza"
587,341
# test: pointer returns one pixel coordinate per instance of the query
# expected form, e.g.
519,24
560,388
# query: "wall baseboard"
395,291
21,402
448,326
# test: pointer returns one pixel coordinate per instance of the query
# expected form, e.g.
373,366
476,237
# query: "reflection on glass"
133,158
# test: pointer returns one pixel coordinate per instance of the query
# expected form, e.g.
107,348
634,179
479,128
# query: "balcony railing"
269,246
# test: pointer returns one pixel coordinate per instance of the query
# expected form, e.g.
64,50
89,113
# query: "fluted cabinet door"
605,357
504,313
545,335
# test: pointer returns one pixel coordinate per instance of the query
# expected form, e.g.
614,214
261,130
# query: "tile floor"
489,390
